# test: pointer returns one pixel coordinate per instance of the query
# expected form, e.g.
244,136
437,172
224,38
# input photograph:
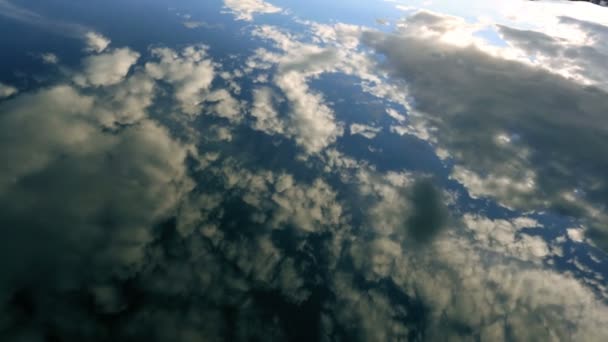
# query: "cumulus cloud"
507,145
266,116
458,287
108,68
224,105
461,285
246,9
310,121
6,90
104,193
122,232
128,101
189,71
96,42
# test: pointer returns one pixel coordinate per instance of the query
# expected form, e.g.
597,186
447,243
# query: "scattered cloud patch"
369,132
189,71
108,68
246,9
520,174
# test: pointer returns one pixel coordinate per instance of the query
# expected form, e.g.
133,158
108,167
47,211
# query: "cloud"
492,116
395,115
96,197
190,72
224,105
308,207
580,61
504,237
576,235
266,115
128,101
6,90
96,42
122,231
192,24
108,68
246,9
484,282
405,205
310,122
367,131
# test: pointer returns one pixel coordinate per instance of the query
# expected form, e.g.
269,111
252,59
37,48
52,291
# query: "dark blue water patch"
350,103
143,23
480,206
255,150
392,152
21,44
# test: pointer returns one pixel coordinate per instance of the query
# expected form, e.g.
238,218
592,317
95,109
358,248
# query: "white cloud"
246,9
127,101
493,283
96,42
576,234
6,90
310,208
108,68
367,131
395,115
509,191
190,72
311,121
137,175
503,237
223,105
265,113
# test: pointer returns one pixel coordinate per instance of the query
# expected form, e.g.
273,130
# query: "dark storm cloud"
555,128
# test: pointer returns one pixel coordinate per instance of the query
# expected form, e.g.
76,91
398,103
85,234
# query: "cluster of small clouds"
310,120
94,217
246,9
498,165
504,150
130,241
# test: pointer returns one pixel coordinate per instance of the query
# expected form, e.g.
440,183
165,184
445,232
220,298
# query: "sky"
280,170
